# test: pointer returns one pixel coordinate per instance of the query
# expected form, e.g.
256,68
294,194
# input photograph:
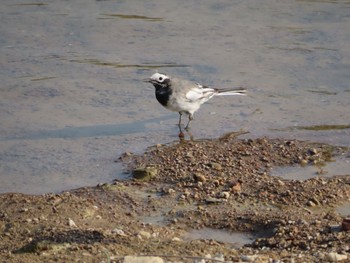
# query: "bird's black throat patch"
163,93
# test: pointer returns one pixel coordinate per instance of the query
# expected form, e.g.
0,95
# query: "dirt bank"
216,184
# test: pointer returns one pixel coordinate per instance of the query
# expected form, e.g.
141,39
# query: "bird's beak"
148,80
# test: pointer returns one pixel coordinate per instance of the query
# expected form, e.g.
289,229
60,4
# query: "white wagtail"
184,96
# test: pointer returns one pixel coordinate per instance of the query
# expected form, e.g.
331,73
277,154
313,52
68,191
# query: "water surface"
72,99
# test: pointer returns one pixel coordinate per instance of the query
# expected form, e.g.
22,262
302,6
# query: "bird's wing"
194,94
199,92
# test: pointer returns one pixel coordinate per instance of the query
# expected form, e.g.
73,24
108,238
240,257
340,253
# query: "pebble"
224,195
119,232
236,187
212,200
145,173
249,258
215,166
335,257
346,224
199,177
311,204
142,259
144,235
71,223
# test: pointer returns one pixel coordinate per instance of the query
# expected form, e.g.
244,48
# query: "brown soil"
220,184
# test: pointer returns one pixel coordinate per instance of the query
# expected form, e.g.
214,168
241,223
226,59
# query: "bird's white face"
159,78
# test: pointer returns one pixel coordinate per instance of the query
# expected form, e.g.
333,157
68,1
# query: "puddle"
158,220
238,239
341,166
344,209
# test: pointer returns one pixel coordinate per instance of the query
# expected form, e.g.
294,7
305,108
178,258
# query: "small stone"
215,166
176,239
311,204
171,191
236,187
303,162
224,195
119,232
71,223
142,259
219,257
335,257
280,182
145,174
346,224
199,177
313,151
144,235
23,210
249,258
212,200
315,201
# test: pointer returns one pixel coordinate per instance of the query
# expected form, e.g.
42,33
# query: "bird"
184,96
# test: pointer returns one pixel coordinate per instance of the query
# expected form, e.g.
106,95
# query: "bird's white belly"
183,106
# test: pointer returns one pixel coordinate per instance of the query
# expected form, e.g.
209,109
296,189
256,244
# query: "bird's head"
159,80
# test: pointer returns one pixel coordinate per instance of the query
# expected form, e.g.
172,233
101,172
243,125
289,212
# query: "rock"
199,177
144,235
280,182
346,224
142,259
215,166
236,187
176,239
145,173
303,162
71,223
249,258
212,200
119,232
310,203
313,151
315,201
219,257
335,257
224,195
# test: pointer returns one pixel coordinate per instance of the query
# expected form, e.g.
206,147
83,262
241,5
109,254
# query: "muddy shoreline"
223,184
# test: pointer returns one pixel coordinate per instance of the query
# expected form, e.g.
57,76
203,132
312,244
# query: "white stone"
71,223
141,259
119,232
144,235
249,258
335,257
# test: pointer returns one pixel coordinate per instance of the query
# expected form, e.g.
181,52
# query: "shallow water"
72,99
339,166
238,239
344,209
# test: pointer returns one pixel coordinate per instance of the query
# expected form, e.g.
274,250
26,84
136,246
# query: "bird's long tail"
227,92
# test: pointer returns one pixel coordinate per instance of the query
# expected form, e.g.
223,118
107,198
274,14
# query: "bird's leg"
180,113
181,134
190,118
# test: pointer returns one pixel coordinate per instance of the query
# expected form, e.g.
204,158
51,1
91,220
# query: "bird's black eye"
160,78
